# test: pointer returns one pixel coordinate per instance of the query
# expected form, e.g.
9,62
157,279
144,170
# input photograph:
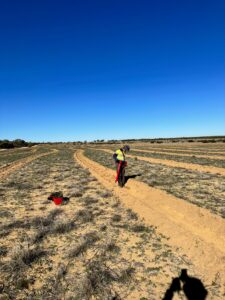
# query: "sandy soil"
192,231
183,148
175,234
171,163
183,144
91,211
179,154
5,171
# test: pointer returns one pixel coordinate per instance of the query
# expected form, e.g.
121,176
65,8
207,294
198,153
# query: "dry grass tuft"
62,226
139,228
116,218
84,216
131,214
88,201
88,240
99,278
24,257
111,246
3,251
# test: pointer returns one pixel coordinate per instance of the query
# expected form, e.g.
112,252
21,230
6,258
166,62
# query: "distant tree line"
18,143
204,139
6,144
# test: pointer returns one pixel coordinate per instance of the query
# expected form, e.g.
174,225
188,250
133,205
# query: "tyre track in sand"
7,170
192,230
176,164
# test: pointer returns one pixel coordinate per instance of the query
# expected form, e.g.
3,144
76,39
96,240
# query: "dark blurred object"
57,198
192,287
55,195
174,287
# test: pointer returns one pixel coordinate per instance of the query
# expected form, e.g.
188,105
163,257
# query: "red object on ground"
57,201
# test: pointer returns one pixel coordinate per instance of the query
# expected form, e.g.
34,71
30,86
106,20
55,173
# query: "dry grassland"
203,189
92,247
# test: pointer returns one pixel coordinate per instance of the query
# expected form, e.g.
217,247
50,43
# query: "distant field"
12,155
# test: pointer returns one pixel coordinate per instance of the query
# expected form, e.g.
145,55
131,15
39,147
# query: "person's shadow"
127,177
192,287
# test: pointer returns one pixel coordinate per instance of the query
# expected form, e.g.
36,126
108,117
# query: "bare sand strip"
180,154
176,164
5,171
157,148
192,230
183,144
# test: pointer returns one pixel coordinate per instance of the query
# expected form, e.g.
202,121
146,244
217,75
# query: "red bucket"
57,201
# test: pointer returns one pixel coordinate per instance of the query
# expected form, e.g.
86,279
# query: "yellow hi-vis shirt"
120,155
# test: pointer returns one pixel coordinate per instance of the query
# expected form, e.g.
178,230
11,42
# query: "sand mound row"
175,164
5,171
191,230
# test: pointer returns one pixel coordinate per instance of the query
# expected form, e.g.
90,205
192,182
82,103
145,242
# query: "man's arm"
115,156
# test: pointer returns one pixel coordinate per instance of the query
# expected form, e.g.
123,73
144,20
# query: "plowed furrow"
5,171
191,230
180,154
175,164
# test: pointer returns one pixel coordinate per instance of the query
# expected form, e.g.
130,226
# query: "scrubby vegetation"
182,151
6,144
11,156
90,248
187,159
204,139
80,250
203,189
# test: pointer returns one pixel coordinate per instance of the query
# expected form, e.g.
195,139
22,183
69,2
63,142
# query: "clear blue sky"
89,69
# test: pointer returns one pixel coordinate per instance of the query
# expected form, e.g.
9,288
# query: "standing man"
119,158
